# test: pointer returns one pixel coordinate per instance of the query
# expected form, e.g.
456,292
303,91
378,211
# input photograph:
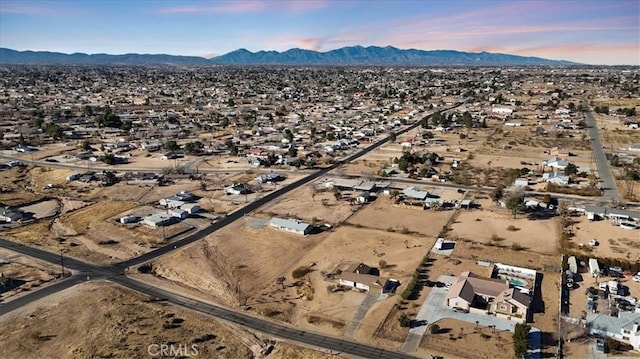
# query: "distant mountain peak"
351,55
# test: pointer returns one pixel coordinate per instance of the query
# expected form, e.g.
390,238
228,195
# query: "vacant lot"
381,214
499,228
114,322
614,241
23,273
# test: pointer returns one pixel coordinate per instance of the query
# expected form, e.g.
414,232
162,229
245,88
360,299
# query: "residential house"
172,202
270,177
157,220
191,208
178,213
555,162
364,197
415,193
10,215
625,327
492,295
556,178
238,188
521,182
290,225
362,277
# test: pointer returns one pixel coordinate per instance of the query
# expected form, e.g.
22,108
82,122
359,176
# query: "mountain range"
353,55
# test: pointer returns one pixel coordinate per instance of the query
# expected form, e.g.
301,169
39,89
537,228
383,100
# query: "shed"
157,220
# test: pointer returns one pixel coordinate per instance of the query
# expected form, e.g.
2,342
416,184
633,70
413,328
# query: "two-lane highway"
609,187
115,273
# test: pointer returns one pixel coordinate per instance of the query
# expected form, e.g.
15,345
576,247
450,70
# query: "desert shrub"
512,228
404,320
517,247
300,272
434,329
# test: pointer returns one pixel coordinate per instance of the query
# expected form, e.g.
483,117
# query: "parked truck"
594,268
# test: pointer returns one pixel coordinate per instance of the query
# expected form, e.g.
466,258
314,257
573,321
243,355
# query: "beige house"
487,294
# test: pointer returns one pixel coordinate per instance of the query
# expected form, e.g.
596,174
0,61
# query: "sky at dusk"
586,31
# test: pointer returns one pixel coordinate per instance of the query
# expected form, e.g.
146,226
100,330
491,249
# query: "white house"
191,208
290,225
521,182
625,327
414,192
172,202
178,213
156,220
555,162
554,177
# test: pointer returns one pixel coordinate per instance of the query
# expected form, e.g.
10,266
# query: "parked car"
636,278
616,269
594,243
615,274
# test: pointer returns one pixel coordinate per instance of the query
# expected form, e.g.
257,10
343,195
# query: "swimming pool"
517,282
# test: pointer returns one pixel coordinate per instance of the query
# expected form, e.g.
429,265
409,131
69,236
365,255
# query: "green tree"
515,204
404,320
497,194
292,152
571,169
392,136
521,339
54,130
171,145
109,178
108,158
86,145
467,120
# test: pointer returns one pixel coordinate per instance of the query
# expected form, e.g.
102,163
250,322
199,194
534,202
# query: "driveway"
368,301
435,308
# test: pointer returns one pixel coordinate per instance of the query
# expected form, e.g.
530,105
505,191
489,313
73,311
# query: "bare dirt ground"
24,273
465,340
111,321
381,214
310,205
497,227
614,241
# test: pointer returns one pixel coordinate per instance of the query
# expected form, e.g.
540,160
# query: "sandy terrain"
381,214
111,321
615,242
302,203
24,272
484,225
468,341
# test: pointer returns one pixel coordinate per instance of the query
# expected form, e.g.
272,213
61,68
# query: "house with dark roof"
10,215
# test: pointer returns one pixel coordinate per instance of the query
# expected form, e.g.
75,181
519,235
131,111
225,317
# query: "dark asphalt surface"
83,271
609,186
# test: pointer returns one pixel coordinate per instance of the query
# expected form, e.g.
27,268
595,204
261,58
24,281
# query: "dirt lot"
465,340
614,241
381,214
111,321
24,273
498,228
310,205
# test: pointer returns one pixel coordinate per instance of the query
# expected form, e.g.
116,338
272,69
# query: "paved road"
263,325
604,171
115,274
